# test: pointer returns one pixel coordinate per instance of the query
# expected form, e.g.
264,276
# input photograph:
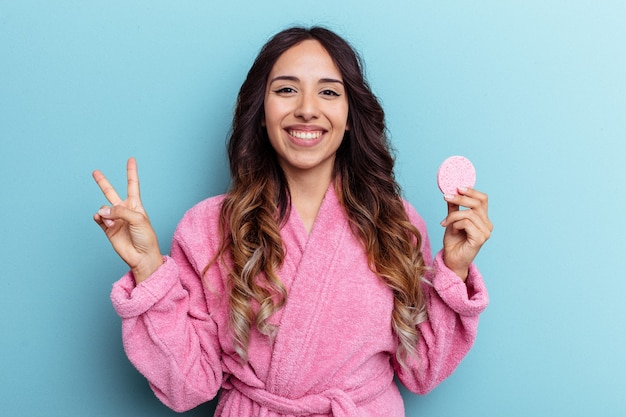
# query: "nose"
307,108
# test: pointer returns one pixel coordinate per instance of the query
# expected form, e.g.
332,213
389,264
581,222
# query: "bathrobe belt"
332,401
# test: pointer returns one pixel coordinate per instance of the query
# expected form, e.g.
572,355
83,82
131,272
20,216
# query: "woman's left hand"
466,230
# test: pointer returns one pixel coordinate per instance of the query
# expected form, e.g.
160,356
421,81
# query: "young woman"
310,283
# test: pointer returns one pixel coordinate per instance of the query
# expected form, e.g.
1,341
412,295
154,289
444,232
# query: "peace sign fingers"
127,226
133,194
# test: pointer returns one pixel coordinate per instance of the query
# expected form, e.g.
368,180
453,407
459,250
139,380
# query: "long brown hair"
257,202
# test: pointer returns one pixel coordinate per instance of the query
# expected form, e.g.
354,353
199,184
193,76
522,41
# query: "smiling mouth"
308,135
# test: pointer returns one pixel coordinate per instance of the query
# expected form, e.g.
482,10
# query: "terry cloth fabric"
334,352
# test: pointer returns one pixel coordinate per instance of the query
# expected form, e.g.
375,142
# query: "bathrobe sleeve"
168,332
450,330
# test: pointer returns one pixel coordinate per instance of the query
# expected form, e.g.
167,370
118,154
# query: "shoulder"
207,208
201,220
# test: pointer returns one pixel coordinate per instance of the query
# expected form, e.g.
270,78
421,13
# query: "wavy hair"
258,200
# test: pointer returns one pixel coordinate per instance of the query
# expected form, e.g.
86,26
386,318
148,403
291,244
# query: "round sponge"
454,173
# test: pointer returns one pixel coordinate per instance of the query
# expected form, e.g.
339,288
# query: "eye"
285,90
330,93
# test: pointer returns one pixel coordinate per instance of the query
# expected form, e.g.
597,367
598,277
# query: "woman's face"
306,110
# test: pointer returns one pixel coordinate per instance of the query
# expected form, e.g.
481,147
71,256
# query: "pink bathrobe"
334,352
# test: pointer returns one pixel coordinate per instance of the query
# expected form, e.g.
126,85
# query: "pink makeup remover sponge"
454,173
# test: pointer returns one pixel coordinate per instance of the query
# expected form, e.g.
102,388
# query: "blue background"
533,92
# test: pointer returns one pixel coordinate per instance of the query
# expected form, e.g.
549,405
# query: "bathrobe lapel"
308,275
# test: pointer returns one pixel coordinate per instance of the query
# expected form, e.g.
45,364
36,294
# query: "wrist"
462,271
145,269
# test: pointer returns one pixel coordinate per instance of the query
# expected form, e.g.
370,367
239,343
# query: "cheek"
271,114
342,117
272,125
341,111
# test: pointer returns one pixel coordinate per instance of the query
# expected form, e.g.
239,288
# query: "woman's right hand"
127,226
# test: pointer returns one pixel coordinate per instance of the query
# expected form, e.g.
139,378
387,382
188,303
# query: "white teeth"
305,135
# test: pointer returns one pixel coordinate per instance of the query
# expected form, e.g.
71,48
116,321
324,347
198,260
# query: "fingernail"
108,222
448,197
104,211
463,189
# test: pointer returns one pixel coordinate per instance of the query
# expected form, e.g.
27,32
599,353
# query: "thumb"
119,212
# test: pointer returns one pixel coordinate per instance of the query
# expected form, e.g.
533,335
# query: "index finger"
106,188
474,193
133,179
473,199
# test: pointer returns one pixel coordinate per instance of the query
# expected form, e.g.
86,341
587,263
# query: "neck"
307,193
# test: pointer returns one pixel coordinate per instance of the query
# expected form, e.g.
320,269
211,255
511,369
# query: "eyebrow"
296,79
